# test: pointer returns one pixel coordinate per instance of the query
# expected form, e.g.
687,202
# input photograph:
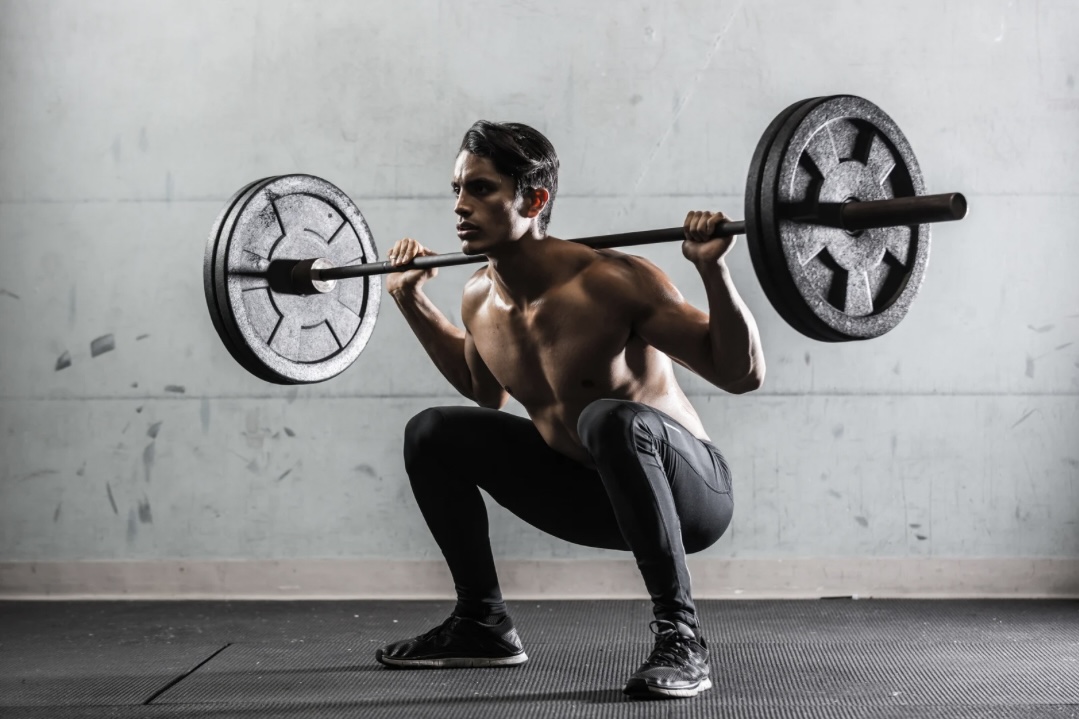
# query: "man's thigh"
506,456
700,482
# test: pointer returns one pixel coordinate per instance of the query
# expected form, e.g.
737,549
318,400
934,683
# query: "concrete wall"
125,125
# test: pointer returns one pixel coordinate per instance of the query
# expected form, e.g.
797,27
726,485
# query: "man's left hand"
700,247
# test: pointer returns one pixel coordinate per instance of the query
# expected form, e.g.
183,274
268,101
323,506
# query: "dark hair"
520,152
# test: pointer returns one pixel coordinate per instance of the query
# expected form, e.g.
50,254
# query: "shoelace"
443,627
672,647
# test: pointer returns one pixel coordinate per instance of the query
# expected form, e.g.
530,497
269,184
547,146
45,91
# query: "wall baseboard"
801,578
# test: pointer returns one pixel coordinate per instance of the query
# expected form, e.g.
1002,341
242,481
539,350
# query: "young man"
614,456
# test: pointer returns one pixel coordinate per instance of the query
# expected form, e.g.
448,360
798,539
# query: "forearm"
443,341
732,332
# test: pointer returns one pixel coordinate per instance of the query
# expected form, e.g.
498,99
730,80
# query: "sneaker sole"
453,662
643,690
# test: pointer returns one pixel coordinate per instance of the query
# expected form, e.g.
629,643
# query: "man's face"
488,210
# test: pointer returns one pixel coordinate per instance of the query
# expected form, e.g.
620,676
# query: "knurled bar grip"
852,216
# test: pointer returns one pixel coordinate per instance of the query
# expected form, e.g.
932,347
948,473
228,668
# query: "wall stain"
176,388
204,415
253,432
63,361
9,294
289,432
1030,367
286,473
1040,330
291,395
921,537
366,469
148,460
253,466
145,515
138,410
81,470
56,514
807,359
142,337
102,344
108,490
837,431
132,527
144,140
1024,418
833,493
36,474
154,429
862,521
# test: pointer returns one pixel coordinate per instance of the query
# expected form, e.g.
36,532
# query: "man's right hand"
403,252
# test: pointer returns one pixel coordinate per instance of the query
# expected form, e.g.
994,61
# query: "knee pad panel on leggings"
606,421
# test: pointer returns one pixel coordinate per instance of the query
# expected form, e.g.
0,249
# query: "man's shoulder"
621,273
474,293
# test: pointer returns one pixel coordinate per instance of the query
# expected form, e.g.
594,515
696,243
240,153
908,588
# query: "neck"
524,270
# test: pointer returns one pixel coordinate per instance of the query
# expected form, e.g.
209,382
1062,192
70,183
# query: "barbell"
836,220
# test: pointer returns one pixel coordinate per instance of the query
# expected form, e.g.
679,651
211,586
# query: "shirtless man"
614,456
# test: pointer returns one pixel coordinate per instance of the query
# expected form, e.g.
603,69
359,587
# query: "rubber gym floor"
819,658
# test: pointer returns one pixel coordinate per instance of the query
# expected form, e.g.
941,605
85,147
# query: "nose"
461,207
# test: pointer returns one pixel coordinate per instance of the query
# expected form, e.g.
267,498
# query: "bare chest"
559,347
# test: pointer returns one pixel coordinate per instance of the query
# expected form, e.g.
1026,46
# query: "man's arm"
724,346
449,347
441,339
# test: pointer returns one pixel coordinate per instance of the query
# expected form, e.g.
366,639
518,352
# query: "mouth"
467,230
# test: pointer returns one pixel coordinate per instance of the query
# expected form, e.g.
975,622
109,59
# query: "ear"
534,201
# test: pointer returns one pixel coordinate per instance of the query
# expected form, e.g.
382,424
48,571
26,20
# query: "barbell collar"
902,211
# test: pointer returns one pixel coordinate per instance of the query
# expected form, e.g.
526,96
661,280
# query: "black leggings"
659,492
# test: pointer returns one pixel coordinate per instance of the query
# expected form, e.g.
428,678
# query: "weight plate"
241,351
213,302
282,337
841,285
763,263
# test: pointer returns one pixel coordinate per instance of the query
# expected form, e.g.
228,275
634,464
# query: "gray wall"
124,126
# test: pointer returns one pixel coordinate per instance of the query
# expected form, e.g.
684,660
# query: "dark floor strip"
185,675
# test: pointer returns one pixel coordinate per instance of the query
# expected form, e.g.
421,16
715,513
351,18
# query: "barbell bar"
319,275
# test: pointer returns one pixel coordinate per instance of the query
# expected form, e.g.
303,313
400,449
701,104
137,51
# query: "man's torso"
573,345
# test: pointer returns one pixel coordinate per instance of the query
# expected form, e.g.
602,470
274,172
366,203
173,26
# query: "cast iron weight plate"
283,337
840,285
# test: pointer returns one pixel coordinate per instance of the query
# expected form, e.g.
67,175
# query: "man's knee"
607,421
424,433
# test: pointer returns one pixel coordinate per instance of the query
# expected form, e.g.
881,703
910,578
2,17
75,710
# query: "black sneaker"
458,642
677,667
